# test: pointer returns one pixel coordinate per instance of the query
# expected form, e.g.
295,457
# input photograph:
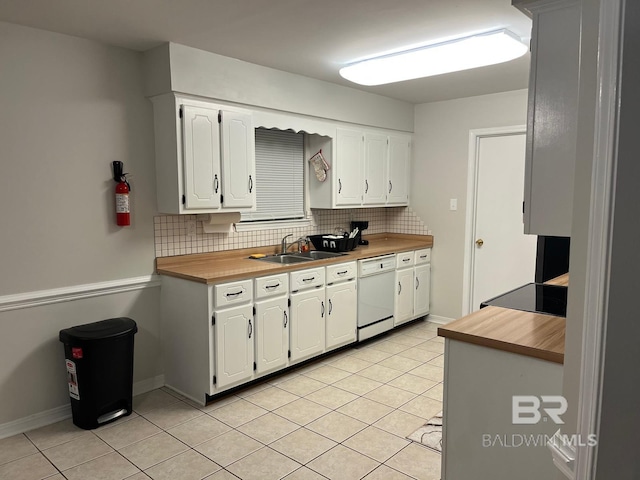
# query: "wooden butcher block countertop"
532,334
219,267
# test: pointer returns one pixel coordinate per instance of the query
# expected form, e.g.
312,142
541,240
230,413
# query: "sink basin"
285,259
319,254
289,258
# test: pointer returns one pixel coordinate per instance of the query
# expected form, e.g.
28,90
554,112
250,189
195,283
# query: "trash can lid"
105,329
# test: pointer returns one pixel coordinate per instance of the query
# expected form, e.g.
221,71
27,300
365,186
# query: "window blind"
279,175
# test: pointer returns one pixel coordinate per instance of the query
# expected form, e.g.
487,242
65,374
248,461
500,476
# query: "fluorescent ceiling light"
450,56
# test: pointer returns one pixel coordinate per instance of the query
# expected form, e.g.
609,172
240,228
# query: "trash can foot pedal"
107,417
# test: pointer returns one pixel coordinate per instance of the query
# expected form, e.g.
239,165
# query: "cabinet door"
404,296
552,119
375,169
349,157
234,345
399,165
342,314
272,334
423,286
201,143
238,160
307,324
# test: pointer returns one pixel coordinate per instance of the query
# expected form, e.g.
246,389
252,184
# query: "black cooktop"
533,297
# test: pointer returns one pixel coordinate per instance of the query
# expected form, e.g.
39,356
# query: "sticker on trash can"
72,379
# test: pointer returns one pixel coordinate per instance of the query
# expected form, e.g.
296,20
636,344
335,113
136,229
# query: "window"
279,176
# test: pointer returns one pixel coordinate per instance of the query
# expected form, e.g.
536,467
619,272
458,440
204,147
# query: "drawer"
271,286
404,259
232,293
423,256
305,279
342,271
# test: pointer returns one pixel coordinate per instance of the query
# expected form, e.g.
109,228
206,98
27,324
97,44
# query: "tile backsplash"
172,236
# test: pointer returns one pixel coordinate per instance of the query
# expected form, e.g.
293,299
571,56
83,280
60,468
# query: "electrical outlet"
191,228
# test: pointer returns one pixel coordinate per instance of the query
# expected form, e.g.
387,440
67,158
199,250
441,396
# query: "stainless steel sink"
285,259
289,258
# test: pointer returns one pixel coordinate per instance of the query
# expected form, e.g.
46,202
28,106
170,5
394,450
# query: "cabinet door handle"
330,306
322,309
272,286
250,184
417,282
250,328
339,186
308,279
232,294
286,319
216,183
366,185
399,288
390,186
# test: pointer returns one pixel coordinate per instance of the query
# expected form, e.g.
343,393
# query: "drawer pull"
423,256
233,294
342,273
272,286
406,259
308,279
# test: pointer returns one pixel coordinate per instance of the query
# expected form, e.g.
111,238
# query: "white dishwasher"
376,294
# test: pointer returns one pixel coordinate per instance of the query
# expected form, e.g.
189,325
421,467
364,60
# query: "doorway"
498,255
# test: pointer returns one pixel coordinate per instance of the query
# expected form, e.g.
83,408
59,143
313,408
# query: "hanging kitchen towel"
320,166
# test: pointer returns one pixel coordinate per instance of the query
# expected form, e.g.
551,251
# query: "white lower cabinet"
342,314
233,332
421,297
272,334
404,296
307,324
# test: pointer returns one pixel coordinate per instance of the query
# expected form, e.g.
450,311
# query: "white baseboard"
439,320
63,412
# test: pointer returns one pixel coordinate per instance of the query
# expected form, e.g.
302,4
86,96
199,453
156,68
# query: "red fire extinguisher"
123,212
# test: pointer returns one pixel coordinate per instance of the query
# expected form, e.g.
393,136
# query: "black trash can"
99,358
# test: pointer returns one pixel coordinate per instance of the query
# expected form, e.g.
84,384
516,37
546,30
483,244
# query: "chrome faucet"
285,246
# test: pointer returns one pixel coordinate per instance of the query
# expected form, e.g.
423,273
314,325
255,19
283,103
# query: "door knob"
479,242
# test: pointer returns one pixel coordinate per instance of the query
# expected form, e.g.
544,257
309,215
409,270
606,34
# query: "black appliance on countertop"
533,297
361,225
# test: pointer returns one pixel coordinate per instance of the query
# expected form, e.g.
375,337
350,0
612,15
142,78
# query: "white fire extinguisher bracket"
220,222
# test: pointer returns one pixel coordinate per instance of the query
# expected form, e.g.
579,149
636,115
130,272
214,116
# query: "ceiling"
308,37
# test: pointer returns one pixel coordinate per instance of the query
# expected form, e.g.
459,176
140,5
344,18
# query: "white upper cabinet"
238,160
205,156
552,117
349,157
399,166
368,168
376,154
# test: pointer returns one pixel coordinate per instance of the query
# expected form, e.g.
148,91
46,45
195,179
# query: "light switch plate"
453,204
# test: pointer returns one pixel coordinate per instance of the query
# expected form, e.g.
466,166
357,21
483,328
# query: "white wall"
69,108
441,153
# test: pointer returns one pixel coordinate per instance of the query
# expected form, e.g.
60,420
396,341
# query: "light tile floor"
341,417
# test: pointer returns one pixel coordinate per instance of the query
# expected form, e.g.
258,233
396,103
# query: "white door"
422,289
503,256
307,324
349,158
375,168
342,314
238,160
201,143
399,162
272,334
234,345
404,296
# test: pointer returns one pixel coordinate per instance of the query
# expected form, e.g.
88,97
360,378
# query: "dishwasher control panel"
372,266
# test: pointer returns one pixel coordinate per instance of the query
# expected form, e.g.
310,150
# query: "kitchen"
67,78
